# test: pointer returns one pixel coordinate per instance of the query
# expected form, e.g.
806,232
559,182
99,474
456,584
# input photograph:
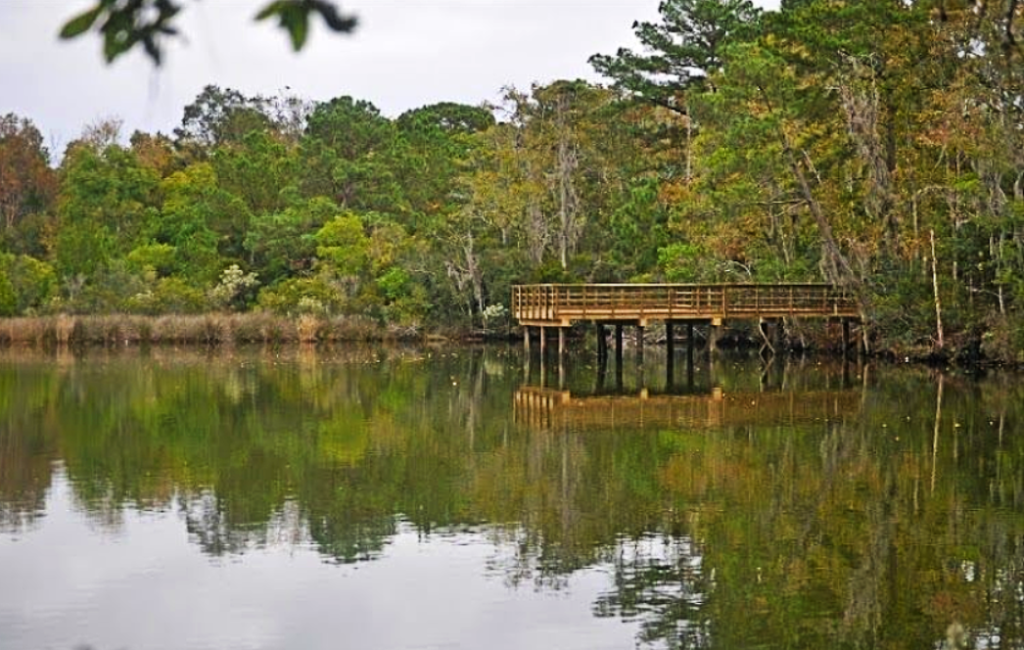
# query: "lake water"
401,498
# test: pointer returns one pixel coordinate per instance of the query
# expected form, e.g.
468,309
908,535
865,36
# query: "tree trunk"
837,267
568,203
940,341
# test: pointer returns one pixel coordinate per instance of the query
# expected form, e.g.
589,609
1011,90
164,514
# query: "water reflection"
776,504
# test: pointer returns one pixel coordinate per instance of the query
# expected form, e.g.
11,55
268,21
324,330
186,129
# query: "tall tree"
105,204
348,154
220,116
681,51
27,184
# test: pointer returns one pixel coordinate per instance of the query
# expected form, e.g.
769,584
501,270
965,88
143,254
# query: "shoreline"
247,328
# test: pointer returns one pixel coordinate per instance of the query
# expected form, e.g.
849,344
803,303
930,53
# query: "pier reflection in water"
794,504
700,403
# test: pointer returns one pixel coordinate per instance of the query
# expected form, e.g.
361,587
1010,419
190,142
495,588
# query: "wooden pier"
558,306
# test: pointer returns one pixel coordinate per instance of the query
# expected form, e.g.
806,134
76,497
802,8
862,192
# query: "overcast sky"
405,54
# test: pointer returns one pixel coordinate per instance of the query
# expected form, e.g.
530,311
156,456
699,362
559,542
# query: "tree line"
874,144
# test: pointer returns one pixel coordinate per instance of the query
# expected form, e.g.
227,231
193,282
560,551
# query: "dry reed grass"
178,329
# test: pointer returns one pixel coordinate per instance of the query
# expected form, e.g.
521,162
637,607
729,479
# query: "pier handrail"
568,302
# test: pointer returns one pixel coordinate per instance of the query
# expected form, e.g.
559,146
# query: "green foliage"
350,153
103,293
125,25
260,170
155,258
293,16
26,284
683,263
218,117
395,283
8,298
167,296
435,142
34,281
284,243
823,141
104,208
313,295
681,51
342,243
235,289
193,205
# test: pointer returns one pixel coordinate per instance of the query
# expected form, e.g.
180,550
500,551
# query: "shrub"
8,299
234,290
25,283
301,296
168,296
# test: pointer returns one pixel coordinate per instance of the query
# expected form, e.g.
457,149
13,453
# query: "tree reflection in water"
789,506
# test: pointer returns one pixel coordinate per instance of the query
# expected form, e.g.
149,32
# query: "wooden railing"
564,303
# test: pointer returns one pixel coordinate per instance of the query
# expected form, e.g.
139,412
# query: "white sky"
405,54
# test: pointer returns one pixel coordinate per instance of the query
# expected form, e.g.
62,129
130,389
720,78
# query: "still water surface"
405,498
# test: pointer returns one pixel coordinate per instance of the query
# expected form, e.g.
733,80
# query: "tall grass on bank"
207,329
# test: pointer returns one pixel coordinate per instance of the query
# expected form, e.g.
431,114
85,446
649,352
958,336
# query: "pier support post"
639,343
543,342
602,342
714,333
670,354
561,344
846,337
526,338
689,343
618,345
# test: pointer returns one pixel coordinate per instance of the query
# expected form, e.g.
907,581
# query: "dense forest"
876,144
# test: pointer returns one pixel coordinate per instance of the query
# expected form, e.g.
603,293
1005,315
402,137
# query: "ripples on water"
461,498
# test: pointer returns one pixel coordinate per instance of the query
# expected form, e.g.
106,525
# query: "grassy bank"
207,329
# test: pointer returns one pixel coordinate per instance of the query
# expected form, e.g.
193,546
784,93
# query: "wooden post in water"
526,338
618,345
543,342
714,332
639,343
846,336
561,344
602,342
689,343
670,353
